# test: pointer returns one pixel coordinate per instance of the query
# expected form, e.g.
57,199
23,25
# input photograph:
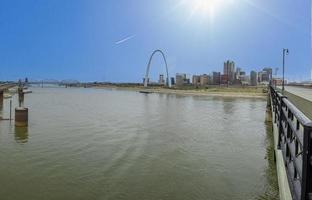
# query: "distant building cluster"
231,75
181,79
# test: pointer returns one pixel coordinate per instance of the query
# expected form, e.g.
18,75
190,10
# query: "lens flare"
204,8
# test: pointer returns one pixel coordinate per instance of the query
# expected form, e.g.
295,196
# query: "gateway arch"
149,66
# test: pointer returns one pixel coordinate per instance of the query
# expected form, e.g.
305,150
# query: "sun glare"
205,8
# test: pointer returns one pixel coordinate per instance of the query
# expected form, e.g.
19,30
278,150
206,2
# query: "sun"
204,8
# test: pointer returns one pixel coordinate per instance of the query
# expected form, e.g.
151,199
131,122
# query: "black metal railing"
295,142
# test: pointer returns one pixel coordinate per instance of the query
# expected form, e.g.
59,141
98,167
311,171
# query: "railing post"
273,99
269,100
280,125
306,188
275,105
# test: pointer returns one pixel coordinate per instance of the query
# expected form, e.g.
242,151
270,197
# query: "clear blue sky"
84,39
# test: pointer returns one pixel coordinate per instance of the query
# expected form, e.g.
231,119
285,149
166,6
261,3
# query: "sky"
112,40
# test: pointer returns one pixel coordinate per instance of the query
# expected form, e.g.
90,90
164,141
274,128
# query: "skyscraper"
229,70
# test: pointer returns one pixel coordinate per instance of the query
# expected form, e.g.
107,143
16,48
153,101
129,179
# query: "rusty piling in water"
21,117
21,113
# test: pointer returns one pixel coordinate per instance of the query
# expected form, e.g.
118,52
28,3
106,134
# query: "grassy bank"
257,92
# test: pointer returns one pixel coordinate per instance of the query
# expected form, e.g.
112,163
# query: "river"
123,145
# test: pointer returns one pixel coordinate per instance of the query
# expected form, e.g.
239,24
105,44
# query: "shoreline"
193,92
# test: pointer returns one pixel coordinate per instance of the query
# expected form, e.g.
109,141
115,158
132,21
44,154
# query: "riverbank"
241,92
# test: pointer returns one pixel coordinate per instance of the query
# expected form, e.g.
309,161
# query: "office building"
172,81
182,80
263,77
245,80
237,73
196,80
204,80
253,78
161,80
216,78
269,73
224,79
229,70
277,81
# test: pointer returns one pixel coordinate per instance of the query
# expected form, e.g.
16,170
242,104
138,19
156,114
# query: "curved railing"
295,142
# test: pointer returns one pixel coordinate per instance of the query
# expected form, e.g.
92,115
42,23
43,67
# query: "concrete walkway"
305,93
300,97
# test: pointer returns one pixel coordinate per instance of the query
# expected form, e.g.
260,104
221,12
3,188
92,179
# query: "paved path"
305,93
301,98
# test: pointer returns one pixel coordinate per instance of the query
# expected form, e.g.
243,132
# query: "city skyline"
162,77
110,41
232,75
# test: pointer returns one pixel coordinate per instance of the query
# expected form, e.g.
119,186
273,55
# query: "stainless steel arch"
149,66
